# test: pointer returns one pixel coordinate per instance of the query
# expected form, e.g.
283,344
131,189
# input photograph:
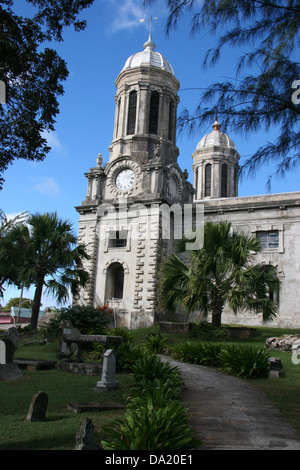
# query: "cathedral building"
138,203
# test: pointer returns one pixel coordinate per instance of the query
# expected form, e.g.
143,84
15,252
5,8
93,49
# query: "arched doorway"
114,281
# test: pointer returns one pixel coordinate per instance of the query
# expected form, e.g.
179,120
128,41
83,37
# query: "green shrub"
160,392
198,353
128,355
149,368
126,334
245,361
155,417
149,427
155,343
86,319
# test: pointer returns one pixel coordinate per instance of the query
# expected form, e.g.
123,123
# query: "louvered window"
117,239
208,180
131,113
153,114
171,121
224,173
268,239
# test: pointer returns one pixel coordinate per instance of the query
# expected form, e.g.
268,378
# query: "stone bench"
70,341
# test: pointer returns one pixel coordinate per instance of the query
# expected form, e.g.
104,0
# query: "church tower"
124,217
216,165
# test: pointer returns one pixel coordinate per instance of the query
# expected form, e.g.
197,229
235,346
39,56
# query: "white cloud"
53,140
128,13
46,185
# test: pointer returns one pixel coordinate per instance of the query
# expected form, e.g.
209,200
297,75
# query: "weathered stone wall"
269,212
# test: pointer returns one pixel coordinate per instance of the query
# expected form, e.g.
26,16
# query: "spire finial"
149,19
216,126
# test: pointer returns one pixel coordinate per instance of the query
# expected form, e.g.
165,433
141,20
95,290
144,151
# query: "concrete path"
227,413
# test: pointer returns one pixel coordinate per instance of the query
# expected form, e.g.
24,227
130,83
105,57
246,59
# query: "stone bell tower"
216,164
121,219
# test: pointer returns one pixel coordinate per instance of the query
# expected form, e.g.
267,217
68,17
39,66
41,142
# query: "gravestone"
64,349
38,407
85,438
13,336
2,352
108,379
276,368
9,341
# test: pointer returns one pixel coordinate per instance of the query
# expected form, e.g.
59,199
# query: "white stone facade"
264,214
122,221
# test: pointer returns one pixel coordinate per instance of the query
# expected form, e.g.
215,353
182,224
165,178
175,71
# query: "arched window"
153,112
114,281
172,121
131,113
118,116
224,173
207,191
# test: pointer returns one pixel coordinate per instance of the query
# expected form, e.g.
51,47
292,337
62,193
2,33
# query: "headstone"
85,438
2,352
108,379
13,336
64,350
38,407
9,341
276,369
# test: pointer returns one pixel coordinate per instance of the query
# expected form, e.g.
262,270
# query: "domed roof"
216,137
148,57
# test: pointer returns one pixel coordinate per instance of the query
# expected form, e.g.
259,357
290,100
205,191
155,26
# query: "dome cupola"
148,57
215,138
216,165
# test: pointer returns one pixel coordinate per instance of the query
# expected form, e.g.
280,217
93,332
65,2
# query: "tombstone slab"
38,407
83,407
85,438
9,372
108,379
2,352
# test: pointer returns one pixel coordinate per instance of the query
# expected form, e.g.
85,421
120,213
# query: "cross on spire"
142,20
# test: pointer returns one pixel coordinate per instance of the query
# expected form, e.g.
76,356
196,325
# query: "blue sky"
84,126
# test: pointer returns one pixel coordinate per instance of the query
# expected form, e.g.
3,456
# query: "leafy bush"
126,334
155,418
239,360
208,332
245,361
150,372
198,353
155,343
149,427
86,319
128,355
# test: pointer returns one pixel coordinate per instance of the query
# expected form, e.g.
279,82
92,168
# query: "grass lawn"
59,430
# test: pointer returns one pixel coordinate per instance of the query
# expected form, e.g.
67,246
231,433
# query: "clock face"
125,179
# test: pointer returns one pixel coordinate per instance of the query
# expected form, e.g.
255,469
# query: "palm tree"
220,272
6,226
44,254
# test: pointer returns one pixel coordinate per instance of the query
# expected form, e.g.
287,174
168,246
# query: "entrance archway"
114,281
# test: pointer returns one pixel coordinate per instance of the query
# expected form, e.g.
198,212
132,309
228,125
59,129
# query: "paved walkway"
228,414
